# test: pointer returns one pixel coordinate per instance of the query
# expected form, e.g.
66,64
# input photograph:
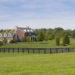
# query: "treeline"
51,33
5,31
57,33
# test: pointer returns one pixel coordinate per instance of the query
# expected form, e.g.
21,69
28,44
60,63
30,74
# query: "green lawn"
37,64
44,44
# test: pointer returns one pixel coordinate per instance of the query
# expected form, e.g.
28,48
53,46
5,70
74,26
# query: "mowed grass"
44,44
37,64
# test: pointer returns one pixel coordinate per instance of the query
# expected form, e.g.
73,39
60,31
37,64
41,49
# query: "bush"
13,41
4,41
23,39
28,39
1,43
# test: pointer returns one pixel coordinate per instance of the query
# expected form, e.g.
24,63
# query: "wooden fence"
38,50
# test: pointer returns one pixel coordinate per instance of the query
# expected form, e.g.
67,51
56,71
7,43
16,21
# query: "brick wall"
21,33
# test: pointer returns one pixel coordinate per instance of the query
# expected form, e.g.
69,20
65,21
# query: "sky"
37,13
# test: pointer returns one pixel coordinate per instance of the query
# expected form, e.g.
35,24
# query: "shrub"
14,41
28,39
4,41
1,43
23,39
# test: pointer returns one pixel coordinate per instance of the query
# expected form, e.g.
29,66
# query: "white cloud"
37,13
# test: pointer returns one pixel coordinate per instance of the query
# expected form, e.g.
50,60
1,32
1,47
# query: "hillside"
44,44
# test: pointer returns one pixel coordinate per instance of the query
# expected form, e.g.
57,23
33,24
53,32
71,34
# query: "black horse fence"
37,50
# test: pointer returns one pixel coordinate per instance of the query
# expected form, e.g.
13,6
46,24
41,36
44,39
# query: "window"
31,30
24,30
9,34
28,30
5,35
0,35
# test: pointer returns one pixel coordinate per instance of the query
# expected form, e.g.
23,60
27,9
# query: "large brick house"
24,32
18,33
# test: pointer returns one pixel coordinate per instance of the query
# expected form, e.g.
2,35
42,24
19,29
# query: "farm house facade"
19,33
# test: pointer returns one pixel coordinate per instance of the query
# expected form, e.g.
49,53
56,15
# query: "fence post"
13,50
56,50
17,49
39,50
33,51
22,50
50,50
4,50
44,51
28,50
8,50
68,50
73,49
0,49
62,50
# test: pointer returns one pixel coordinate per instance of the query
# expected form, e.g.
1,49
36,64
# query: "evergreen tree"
57,40
66,40
46,37
40,36
73,34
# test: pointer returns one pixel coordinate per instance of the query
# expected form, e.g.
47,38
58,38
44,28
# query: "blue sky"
37,13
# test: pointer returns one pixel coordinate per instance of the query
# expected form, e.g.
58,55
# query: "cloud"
37,12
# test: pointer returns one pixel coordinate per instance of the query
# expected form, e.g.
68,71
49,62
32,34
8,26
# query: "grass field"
44,44
37,64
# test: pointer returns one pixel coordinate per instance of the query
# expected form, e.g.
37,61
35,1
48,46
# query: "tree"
28,39
57,40
66,40
40,36
46,37
73,34
50,37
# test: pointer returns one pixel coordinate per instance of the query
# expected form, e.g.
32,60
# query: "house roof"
27,29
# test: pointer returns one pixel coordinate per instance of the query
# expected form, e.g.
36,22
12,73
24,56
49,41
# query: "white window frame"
5,35
0,35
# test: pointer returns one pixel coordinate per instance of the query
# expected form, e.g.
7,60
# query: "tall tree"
73,34
66,40
40,36
57,40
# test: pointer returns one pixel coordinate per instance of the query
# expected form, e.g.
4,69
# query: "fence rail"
38,50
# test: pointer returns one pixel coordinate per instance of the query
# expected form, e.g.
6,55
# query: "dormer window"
28,30
25,30
31,30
